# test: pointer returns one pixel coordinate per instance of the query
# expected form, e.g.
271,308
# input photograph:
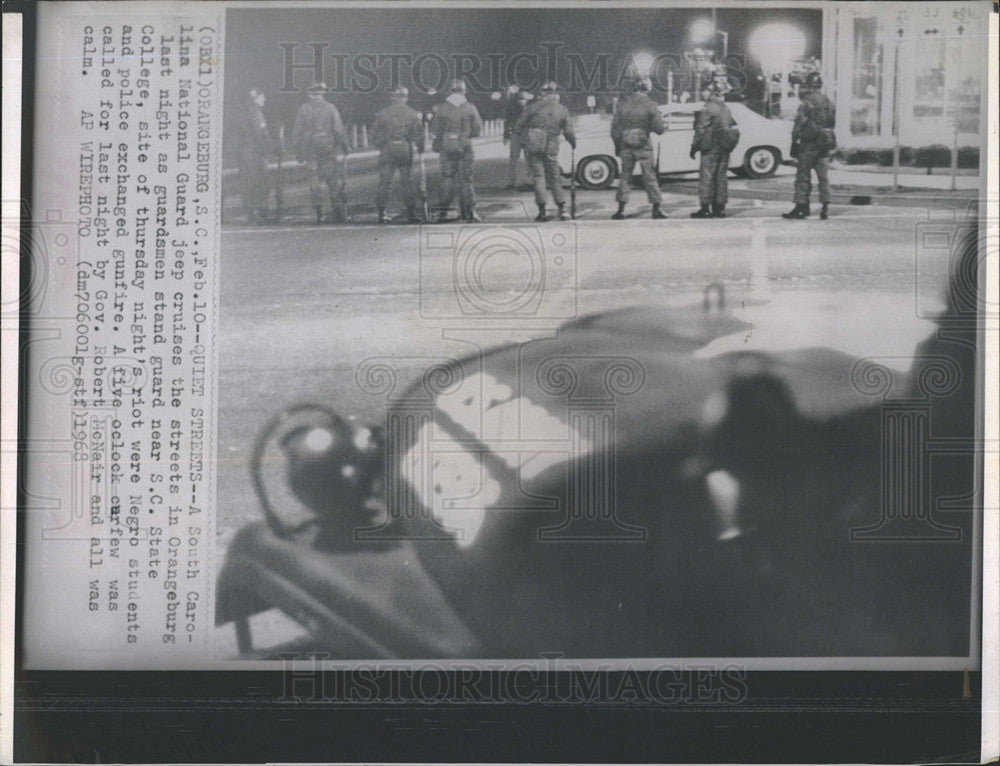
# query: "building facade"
916,69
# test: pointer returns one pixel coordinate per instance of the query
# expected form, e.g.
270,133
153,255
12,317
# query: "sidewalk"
854,187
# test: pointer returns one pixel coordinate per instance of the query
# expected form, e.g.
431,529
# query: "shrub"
933,156
968,157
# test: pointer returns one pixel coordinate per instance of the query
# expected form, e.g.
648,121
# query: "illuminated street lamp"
704,30
776,46
642,62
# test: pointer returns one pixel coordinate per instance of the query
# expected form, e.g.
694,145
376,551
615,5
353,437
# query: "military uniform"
712,122
812,133
396,131
455,123
512,113
550,119
319,137
255,146
635,118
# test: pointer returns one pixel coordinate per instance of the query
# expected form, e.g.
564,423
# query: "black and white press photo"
601,333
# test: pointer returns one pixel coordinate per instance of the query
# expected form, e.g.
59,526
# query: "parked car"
764,144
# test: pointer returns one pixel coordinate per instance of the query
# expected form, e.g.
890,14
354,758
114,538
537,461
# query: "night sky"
254,56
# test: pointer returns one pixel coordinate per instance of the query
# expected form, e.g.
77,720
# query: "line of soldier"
532,127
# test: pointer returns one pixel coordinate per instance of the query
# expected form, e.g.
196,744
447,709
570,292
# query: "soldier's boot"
319,214
472,216
412,216
703,212
824,212
657,213
442,216
718,211
382,217
542,216
563,215
620,214
336,211
796,213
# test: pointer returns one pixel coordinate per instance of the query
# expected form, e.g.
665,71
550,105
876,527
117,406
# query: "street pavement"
303,306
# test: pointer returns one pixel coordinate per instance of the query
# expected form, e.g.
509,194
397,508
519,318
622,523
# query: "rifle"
342,189
279,179
425,208
572,182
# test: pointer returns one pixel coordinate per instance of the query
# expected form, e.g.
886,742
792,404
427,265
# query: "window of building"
965,86
866,88
948,85
928,94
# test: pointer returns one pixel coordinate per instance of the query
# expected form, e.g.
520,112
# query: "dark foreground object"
743,505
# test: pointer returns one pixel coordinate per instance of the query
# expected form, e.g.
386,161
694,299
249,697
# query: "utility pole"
895,112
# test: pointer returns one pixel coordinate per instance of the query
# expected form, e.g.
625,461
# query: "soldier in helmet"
636,117
541,124
715,137
455,123
255,147
812,141
516,104
320,140
397,130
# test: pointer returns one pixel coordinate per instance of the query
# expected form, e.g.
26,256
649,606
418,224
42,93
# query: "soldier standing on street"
541,125
812,141
397,130
715,136
635,118
255,147
516,104
320,140
455,123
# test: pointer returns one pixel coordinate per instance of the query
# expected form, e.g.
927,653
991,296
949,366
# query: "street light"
642,62
776,46
704,30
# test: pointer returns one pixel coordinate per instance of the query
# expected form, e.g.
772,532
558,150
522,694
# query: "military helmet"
638,84
717,87
318,87
400,91
458,86
549,88
814,81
